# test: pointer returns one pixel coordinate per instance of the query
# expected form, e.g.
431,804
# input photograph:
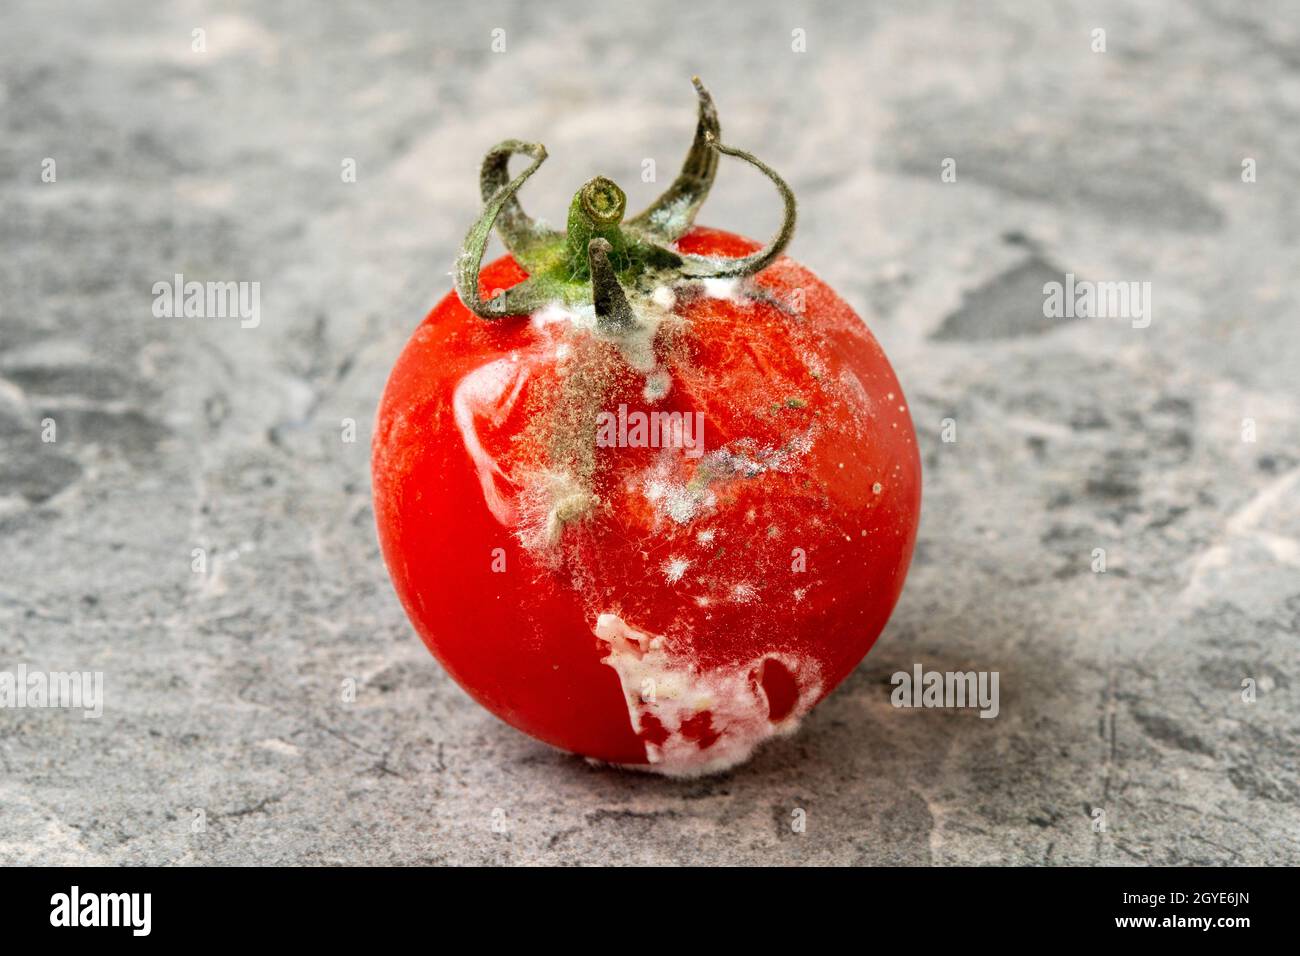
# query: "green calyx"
602,257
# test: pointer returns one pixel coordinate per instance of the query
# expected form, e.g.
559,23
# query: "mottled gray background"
1119,690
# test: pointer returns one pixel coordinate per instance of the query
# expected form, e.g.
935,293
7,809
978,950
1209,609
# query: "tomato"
659,592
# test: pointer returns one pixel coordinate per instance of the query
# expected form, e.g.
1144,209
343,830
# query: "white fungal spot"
557,313
549,500
743,593
738,713
657,385
664,297
677,500
682,496
674,217
728,289
674,568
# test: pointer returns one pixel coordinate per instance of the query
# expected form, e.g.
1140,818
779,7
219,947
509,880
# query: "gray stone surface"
1120,690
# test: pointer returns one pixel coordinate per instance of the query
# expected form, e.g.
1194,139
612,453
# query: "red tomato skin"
815,455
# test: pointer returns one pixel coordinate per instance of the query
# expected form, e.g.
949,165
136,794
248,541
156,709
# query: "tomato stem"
595,213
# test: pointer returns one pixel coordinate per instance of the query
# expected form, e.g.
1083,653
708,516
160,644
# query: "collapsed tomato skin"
553,577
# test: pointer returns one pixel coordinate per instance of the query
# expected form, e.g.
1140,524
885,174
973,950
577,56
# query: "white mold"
667,688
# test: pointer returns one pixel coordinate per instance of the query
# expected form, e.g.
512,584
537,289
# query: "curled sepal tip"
521,299
521,234
613,313
709,267
668,217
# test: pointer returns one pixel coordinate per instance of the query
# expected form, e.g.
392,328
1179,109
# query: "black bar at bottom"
334,906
